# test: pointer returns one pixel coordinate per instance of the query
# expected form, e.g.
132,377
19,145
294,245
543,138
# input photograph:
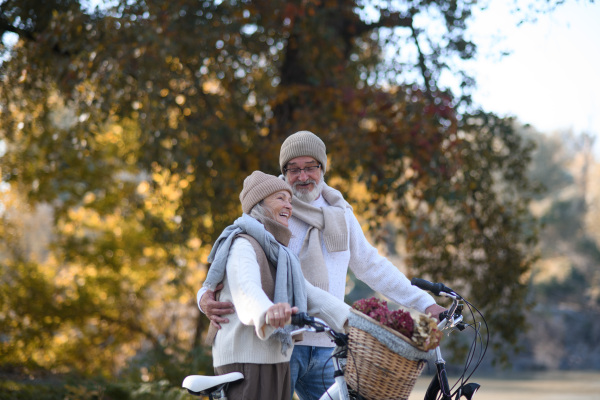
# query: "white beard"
308,196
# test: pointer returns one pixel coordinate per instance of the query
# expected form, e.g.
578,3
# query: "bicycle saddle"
205,384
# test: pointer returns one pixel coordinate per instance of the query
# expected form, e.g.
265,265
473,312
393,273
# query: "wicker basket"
375,371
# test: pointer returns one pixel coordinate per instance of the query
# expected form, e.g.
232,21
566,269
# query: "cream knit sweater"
366,263
246,338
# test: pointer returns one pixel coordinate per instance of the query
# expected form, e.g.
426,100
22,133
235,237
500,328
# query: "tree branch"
422,66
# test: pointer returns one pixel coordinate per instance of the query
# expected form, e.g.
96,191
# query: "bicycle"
215,387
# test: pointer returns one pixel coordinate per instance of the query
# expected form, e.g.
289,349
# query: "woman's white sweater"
246,338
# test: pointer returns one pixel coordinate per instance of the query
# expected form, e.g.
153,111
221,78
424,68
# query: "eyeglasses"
298,171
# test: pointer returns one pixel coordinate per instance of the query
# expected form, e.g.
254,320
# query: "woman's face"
280,205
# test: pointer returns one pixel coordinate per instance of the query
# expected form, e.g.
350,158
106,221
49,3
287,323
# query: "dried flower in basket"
418,327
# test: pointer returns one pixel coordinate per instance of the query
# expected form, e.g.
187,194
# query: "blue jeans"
312,371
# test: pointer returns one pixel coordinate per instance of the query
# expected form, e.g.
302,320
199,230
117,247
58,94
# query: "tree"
137,122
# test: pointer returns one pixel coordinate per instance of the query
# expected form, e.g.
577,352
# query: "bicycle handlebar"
445,315
312,324
302,318
435,288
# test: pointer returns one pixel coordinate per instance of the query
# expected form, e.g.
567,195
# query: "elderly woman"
264,281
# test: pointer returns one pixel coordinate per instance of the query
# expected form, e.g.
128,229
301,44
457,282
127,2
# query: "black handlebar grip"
301,319
434,288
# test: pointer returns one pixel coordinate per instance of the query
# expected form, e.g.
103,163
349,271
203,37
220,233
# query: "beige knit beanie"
258,186
303,143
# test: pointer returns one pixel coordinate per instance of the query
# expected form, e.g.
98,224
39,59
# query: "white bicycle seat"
199,383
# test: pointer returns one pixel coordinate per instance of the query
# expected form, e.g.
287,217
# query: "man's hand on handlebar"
214,309
434,310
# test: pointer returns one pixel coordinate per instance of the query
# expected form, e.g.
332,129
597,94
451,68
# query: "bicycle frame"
439,383
339,390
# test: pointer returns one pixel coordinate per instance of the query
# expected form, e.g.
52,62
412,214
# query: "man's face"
304,174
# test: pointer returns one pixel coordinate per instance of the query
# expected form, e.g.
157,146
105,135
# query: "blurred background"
467,150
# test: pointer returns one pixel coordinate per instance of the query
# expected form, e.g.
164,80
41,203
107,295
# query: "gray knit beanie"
303,143
258,186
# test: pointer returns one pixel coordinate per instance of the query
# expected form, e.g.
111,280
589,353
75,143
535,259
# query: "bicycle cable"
471,355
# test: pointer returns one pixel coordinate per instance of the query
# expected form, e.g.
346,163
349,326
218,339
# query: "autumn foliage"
135,123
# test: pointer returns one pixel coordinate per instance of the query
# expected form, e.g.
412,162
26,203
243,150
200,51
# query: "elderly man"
328,239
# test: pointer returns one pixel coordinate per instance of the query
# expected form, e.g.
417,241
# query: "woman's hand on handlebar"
280,314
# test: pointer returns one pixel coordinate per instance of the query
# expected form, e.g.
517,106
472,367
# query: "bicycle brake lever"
456,322
300,330
452,324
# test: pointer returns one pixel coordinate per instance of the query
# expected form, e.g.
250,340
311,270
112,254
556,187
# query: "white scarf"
330,222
